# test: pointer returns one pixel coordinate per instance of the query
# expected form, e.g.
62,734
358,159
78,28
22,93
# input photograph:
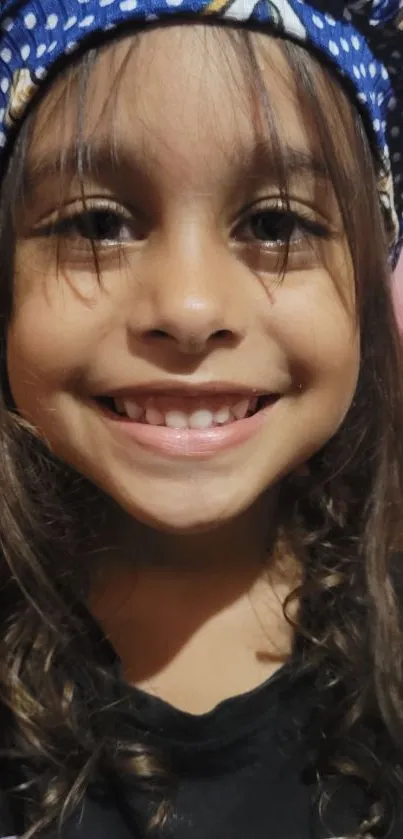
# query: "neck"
196,617
231,545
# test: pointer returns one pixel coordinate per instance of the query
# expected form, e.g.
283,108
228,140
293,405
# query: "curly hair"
343,522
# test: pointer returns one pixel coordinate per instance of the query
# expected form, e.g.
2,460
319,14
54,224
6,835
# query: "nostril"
220,335
158,333
223,334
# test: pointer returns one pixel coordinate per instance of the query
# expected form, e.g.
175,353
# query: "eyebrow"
294,161
104,161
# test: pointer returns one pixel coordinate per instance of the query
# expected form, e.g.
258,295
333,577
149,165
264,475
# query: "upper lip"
185,389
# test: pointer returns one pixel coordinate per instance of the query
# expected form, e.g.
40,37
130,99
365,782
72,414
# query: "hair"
344,525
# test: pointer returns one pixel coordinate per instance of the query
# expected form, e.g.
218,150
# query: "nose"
191,321
187,302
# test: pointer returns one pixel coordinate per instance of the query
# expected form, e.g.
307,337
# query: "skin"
189,294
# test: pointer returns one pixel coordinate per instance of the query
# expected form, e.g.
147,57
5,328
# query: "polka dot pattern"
363,39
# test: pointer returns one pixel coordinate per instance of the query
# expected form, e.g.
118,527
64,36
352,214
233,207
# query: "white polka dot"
2,112
397,156
2,139
70,22
52,46
380,98
392,103
377,124
41,49
356,71
334,48
25,52
6,55
30,21
396,54
86,21
128,5
345,45
4,84
347,14
363,70
384,73
372,69
103,3
355,42
8,24
330,20
395,131
71,46
318,22
362,97
52,22
40,72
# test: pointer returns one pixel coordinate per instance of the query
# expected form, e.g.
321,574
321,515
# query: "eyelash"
284,217
83,225
69,225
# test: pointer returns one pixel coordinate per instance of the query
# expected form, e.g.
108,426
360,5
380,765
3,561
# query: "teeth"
222,416
129,407
120,406
176,419
154,417
241,409
201,418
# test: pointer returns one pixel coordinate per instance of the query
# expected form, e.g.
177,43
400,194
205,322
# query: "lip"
182,389
187,443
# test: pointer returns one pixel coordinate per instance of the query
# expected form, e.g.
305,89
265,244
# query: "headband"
362,39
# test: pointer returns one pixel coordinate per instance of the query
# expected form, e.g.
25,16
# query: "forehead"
183,93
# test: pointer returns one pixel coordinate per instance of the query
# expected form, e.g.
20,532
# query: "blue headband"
363,39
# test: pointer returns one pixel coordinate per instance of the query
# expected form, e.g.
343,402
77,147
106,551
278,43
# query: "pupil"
272,226
99,225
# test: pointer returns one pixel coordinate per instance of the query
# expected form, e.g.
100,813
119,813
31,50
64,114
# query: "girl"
201,419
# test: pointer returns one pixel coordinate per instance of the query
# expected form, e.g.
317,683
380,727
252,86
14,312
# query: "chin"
180,521
179,509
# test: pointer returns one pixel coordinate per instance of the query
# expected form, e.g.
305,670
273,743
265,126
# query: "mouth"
198,412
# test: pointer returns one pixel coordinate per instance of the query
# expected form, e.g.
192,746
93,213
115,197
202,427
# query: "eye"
102,224
277,227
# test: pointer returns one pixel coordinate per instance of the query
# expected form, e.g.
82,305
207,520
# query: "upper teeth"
200,417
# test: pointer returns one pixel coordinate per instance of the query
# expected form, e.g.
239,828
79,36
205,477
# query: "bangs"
334,128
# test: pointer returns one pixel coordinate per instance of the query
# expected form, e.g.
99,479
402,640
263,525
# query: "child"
201,420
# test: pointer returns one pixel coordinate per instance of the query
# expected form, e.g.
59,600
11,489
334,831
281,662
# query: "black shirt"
243,773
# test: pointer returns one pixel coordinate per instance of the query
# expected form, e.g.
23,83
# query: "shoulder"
7,823
397,828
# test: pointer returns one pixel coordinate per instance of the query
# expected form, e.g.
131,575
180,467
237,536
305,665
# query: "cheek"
317,328
47,349
58,320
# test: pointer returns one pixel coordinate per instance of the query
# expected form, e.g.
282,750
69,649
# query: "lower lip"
187,442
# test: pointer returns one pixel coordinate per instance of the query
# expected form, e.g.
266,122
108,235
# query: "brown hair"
344,524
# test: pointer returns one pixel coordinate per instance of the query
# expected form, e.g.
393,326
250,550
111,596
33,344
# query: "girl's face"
188,317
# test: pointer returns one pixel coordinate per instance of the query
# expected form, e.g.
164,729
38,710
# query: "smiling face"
232,375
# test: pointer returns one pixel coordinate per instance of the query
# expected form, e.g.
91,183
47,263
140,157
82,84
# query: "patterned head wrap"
363,40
